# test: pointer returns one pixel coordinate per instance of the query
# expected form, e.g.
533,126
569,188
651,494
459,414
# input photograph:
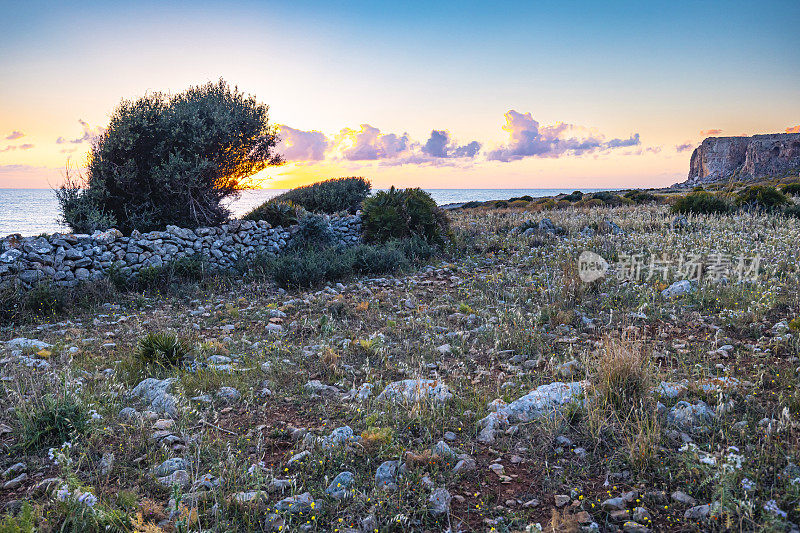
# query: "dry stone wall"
68,259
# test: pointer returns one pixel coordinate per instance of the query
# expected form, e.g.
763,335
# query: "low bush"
21,523
403,213
54,421
181,271
45,300
80,211
641,197
377,259
276,213
792,211
764,197
608,198
701,202
162,350
313,265
313,230
309,267
574,196
330,196
791,189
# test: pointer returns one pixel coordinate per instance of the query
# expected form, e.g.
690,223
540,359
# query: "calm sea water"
35,211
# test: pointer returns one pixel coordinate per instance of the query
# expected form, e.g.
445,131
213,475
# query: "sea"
35,211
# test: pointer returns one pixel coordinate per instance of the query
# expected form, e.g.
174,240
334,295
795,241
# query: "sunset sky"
434,94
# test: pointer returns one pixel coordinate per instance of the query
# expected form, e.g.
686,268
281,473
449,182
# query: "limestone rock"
720,158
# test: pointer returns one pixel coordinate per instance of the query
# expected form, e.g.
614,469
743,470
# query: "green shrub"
172,160
313,265
54,421
608,198
79,210
791,189
574,196
416,248
185,270
162,350
792,211
500,204
402,213
764,197
330,196
276,213
641,197
471,204
377,259
309,267
22,523
593,202
313,230
701,202
525,198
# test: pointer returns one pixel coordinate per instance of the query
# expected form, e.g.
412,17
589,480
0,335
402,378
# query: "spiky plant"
162,349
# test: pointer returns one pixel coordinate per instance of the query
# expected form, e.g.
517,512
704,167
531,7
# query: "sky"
529,94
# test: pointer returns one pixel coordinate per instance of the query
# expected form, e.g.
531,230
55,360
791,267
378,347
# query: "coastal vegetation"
171,159
396,386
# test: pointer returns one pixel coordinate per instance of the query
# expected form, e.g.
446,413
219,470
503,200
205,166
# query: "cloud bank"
707,133
526,138
16,134
793,129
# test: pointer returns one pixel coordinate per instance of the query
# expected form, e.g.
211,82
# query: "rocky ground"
492,390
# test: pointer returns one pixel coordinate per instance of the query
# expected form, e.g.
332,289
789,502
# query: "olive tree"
171,159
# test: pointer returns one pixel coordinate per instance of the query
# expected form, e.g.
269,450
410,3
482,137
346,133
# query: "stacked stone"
72,258
347,229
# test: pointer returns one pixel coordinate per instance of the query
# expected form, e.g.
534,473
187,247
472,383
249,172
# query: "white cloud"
299,145
527,138
89,134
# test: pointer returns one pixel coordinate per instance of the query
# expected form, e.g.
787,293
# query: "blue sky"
665,71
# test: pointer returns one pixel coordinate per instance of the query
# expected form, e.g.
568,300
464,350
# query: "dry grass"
623,375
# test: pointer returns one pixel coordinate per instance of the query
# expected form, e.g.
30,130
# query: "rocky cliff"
744,158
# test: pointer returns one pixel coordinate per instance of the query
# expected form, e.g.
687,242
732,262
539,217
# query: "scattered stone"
682,497
154,392
16,482
228,394
317,387
545,400
22,343
634,527
679,288
302,503
439,501
691,417
416,391
698,512
562,500
386,475
613,504
340,486
14,470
